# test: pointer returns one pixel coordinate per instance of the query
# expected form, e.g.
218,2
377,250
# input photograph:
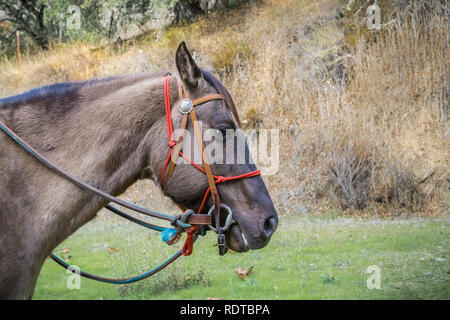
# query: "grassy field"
308,258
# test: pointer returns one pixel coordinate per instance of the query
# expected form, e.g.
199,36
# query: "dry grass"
363,123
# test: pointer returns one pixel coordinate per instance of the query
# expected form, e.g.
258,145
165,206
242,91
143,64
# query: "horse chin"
235,239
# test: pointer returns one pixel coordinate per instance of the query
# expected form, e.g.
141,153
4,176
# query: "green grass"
308,258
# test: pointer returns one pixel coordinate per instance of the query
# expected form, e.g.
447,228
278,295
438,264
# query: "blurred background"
362,114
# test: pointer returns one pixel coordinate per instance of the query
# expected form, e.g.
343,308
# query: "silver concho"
185,106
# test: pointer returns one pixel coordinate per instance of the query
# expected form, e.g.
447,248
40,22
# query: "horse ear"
187,68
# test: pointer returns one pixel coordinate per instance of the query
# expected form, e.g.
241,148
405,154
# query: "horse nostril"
269,226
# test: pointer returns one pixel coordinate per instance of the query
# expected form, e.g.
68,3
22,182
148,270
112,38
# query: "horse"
110,132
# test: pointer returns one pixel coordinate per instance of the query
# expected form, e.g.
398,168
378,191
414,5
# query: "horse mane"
224,92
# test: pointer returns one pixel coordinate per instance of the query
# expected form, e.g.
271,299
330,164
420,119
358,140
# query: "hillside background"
362,114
